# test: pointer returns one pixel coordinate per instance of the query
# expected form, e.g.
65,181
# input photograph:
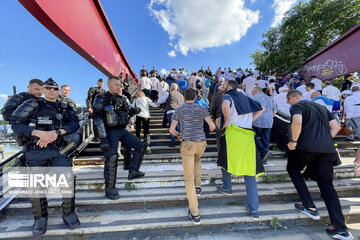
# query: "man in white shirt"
163,89
273,76
281,103
302,87
261,83
145,85
317,82
309,90
331,92
154,87
324,101
249,83
352,111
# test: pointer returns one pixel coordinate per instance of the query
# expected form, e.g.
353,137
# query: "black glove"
104,144
134,111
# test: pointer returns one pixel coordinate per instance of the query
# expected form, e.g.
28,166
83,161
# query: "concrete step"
96,157
154,149
165,197
171,174
149,223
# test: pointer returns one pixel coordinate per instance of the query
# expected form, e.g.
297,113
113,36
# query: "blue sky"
160,33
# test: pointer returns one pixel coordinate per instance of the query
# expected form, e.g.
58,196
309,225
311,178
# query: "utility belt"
116,118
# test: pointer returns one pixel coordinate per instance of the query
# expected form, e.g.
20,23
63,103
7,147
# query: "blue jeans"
252,197
354,123
172,137
336,117
262,140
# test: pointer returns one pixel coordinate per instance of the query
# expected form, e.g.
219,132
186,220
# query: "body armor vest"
117,112
49,117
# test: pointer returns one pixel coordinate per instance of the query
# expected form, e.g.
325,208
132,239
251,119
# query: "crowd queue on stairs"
246,109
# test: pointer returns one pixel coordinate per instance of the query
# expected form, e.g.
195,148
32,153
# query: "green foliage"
129,186
275,178
306,28
275,223
3,122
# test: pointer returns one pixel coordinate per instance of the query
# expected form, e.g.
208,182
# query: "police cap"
50,82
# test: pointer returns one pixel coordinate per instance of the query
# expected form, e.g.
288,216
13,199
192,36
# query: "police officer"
125,82
64,96
93,91
34,92
112,113
45,123
144,72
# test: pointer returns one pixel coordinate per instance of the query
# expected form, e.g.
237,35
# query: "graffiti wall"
337,59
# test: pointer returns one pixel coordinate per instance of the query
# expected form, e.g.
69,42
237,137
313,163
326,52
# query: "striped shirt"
191,117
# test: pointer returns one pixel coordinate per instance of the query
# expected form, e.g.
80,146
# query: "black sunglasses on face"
49,88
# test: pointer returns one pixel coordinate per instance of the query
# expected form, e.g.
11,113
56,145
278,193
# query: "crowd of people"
249,110
246,109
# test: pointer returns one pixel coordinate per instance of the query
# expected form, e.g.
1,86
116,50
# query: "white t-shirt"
271,77
332,93
145,83
281,103
317,83
307,95
154,83
243,120
302,89
261,83
352,110
250,83
321,102
274,93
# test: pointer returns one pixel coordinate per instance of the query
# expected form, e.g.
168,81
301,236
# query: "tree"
306,28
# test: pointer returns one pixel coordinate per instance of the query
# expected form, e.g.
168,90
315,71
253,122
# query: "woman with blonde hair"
143,118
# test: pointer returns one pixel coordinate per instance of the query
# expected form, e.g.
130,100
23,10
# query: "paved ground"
293,233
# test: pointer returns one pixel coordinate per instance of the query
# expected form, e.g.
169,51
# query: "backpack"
207,83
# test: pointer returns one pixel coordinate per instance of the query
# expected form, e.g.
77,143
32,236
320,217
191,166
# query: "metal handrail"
87,135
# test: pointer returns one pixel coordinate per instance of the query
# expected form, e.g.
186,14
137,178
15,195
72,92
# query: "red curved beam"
83,26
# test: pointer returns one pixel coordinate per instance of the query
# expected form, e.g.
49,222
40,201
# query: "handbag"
344,130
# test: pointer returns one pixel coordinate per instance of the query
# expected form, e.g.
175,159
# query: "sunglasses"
49,88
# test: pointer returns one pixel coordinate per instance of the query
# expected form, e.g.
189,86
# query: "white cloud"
198,24
4,97
163,71
281,7
172,53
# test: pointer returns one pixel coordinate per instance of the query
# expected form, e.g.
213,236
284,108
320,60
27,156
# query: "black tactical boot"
136,163
68,208
135,174
112,193
39,207
127,157
40,226
71,220
110,170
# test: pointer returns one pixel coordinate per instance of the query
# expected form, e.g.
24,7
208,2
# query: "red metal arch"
83,26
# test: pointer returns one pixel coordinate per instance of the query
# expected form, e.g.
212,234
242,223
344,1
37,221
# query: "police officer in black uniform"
45,123
34,92
112,113
93,91
64,96
144,72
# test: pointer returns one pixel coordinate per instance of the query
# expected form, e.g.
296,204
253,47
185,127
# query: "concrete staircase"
156,206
